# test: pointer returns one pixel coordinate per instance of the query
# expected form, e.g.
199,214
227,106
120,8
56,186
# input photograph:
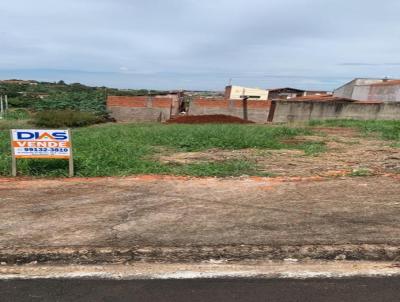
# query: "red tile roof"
387,83
331,98
321,98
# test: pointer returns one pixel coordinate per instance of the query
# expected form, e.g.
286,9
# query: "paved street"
310,290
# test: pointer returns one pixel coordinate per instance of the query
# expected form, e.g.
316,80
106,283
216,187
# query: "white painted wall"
254,93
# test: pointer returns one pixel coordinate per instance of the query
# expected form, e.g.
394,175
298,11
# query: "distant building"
287,93
322,98
20,82
317,92
386,90
239,92
34,94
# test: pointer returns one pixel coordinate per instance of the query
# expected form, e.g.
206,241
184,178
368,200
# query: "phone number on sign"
46,150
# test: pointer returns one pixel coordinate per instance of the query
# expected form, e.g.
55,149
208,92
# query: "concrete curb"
246,270
196,254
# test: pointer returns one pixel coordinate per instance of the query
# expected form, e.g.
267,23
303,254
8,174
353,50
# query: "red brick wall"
140,108
127,101
253,104
221,103
257,111
162,102
139,101
211,103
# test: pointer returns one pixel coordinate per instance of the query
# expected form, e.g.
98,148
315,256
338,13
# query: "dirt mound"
207,119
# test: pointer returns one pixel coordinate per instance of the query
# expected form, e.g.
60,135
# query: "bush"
17,114
14,124
87,101
65,118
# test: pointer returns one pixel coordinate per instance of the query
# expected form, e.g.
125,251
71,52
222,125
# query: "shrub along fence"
65,118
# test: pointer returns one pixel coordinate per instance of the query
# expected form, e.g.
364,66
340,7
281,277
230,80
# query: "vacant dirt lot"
346,151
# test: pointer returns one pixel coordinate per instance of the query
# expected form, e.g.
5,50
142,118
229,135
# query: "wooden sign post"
31,143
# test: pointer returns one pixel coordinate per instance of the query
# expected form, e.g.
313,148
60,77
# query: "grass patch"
219,169
126,149
14,119
362,172
6,124
312,148
17,114
388,130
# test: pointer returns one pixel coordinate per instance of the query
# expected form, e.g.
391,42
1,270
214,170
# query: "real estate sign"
32,143
41,143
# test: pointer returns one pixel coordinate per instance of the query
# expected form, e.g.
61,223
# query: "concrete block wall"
387,93
287,111
140,108
361,93
257,111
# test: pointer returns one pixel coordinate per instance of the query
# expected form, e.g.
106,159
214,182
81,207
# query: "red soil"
207,119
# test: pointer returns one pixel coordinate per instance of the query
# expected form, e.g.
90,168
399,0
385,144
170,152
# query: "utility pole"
245,97
1,107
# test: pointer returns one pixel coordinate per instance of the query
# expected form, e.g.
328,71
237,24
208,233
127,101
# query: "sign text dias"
30,143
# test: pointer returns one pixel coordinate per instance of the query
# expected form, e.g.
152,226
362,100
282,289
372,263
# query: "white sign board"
28,143
32,143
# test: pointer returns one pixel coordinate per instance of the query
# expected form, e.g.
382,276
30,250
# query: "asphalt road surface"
309,290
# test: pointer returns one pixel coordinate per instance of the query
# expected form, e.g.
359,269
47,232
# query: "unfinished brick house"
158,108
255,111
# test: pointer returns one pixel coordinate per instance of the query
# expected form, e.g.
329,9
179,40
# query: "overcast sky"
200,44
